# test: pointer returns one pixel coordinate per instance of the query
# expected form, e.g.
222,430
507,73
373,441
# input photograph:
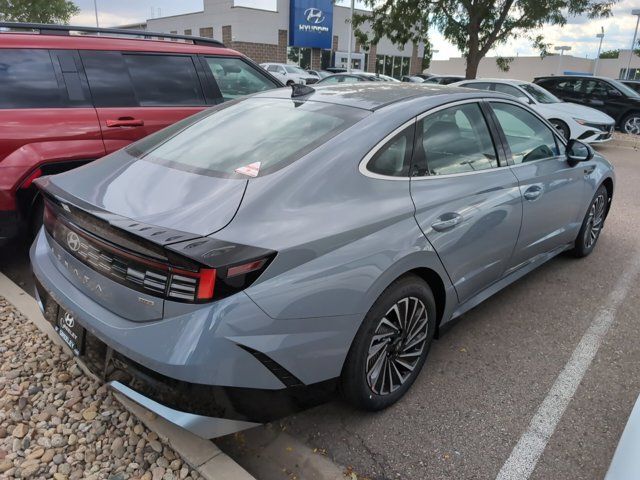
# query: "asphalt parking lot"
489,373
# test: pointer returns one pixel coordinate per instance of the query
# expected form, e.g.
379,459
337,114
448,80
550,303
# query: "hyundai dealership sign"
310,23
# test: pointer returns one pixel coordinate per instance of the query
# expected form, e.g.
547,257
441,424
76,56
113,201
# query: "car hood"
155,194
578,111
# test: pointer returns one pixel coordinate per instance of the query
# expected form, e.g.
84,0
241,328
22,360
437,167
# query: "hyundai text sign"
310,23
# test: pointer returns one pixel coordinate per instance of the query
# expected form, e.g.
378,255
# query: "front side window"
528,137
236,78
218,143
540,94
164,80
394,158
27,80
455,140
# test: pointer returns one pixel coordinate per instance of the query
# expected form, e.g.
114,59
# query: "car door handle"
125,122
447,222
533,192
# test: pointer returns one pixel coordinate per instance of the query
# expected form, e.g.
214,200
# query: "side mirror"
578,151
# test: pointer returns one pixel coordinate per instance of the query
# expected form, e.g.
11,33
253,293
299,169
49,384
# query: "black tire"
359,371
592,224
289,83
562,127
36,217
631,123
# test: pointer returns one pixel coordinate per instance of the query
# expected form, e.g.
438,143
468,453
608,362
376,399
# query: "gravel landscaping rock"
55,422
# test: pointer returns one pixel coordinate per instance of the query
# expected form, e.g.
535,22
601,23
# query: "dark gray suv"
248,261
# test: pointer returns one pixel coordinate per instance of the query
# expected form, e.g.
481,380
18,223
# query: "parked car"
241,277
349,78
572,120
320,74
424,76
633,84
412,79
289,74
614,98
68,99
444,79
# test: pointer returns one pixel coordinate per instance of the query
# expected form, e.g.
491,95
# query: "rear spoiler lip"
176,245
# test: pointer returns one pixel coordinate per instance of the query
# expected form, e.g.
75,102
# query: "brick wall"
206,32
316,59
371,67
415,63
258,52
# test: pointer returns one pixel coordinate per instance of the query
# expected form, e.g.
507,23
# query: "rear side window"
477,85
28,80
253,135
394,158
236,78
164,80
528,137
125,80
455,140
508,89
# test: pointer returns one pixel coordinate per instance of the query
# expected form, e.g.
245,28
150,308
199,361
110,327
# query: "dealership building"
311,33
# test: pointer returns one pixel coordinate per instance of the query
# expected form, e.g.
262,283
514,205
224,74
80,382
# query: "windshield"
628,91
296,70
217,143
539,94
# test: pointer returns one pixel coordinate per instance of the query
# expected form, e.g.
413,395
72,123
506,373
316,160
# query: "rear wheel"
631,123
562,128
391,345
592,224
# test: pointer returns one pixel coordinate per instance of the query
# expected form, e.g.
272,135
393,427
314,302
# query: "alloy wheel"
397,345
632,125
594,221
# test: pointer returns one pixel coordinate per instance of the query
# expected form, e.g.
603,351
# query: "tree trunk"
473,60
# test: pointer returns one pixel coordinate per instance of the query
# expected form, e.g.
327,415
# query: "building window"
206,32
300,56
187,31
634,74
393,66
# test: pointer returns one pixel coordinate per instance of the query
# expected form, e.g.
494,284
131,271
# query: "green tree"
610,54
37,11
474,26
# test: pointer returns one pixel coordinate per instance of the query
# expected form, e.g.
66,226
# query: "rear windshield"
274,132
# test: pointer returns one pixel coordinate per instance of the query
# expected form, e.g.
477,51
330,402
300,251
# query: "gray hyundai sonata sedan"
252,260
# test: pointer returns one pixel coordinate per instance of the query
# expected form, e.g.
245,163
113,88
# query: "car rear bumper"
187,369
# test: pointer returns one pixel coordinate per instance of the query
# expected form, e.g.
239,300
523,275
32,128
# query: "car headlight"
581,121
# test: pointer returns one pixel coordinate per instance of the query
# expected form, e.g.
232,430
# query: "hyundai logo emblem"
69,321
314,15
73,241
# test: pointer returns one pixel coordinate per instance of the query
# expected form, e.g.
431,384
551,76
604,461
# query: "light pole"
350,37
636,12
601,37
95,8
561,49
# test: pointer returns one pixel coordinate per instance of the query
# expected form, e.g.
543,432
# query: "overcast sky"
579,33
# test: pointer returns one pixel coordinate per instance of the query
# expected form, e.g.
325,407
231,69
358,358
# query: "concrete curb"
201,455
270,452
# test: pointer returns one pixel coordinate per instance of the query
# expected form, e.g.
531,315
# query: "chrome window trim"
362,167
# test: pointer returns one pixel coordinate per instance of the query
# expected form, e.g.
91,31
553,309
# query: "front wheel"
391,345
631,123
592,224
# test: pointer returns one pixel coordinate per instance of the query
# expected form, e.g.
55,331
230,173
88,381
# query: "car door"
604,97
136,94
467,199
552,190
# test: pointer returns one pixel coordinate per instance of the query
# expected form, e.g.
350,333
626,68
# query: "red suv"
68,99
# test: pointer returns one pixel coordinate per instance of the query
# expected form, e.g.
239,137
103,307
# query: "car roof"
581,77
510,81
95,42
375,95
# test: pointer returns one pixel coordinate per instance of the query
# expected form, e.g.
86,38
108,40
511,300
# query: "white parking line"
527,452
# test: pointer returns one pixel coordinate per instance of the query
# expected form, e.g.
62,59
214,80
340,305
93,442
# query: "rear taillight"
191,281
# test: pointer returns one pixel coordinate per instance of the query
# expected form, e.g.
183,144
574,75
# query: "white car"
289,74
572,120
